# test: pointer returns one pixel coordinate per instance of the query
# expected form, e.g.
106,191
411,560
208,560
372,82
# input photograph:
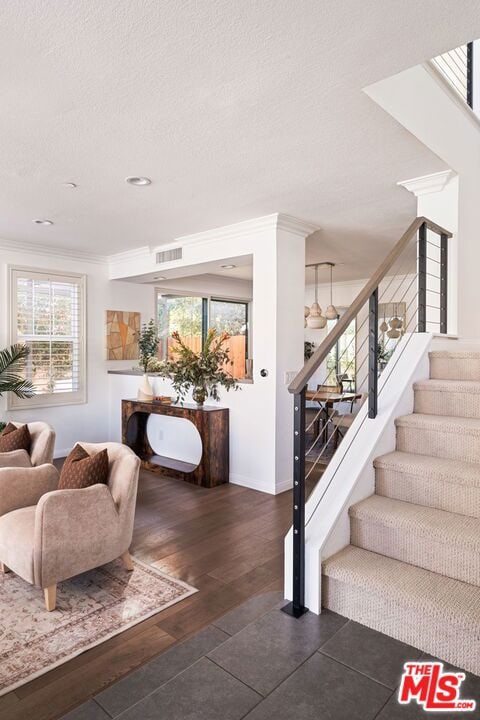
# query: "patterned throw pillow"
80,470
13,438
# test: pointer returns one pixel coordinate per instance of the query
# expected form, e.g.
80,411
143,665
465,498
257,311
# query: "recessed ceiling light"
228,267
43,222
70,185
159,277
138,180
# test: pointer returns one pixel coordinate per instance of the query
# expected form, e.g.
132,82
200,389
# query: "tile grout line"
262,697
359,672
100,706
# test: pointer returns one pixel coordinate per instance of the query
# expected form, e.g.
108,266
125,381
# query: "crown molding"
275,221
50,251
427,184
129,255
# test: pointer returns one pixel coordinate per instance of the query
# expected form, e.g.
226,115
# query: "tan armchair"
58,534
41,451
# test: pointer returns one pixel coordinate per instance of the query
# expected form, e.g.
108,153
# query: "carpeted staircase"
412,569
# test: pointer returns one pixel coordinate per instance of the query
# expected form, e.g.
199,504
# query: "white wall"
420,100
88,421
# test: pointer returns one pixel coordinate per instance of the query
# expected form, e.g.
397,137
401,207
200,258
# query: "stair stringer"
350,475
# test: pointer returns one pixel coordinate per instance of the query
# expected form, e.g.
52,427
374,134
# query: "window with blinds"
48,316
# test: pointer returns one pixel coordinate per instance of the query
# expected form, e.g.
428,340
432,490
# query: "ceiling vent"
169,255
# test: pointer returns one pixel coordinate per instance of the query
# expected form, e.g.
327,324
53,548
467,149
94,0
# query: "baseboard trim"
254,484
250,483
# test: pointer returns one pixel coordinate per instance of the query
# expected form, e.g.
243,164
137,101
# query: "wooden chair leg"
50,594
4,568
127,560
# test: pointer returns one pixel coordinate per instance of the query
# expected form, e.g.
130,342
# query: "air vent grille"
169,255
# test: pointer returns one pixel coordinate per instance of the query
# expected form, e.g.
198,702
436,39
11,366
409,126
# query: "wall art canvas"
122,335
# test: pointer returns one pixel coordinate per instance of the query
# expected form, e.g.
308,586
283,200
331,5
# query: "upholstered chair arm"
21,487
75,530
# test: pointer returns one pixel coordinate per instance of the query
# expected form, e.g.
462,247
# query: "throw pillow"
80,470
13,438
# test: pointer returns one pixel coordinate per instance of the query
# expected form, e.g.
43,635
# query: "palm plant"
12,361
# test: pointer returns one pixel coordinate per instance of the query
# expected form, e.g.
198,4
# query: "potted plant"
147,349
12,361
204,371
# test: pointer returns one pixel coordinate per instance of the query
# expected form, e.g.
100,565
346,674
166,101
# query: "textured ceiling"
234,109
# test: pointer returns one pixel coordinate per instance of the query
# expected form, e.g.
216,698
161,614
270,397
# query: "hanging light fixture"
331,312
315,319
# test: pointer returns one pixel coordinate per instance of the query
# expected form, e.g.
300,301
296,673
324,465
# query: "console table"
212,424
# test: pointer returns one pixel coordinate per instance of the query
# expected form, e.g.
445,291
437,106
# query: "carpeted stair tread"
454,398
455,364
445,527
454,354
453,386
441,423
438,598
426,467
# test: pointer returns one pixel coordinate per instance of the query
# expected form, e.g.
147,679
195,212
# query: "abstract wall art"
122,335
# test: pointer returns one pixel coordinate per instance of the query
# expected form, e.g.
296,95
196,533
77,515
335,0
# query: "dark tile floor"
257,663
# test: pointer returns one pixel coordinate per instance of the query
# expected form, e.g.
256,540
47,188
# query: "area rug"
91,608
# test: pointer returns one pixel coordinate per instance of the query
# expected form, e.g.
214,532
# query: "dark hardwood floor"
226,541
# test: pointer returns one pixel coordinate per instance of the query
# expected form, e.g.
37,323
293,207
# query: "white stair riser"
444,368
439,443
454,404
429,492
430,552
434,635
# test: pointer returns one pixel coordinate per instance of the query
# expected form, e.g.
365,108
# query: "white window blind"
48,316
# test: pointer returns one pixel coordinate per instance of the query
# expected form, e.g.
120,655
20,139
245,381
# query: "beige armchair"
49,535
41,451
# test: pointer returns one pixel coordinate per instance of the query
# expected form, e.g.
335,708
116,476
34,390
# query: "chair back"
329,388
43,442
123,469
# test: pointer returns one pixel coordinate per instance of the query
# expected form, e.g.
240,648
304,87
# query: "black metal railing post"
373,354
470,74
422,278
443,282
297,606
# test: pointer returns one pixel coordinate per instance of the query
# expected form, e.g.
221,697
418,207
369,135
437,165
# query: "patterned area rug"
91,608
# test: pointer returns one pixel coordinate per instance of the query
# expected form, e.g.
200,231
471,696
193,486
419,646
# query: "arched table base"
212,424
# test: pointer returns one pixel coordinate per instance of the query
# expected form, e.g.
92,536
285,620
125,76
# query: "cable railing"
456,66
406,294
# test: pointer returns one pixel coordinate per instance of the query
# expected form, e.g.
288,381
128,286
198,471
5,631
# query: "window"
341,358
192,316
47,314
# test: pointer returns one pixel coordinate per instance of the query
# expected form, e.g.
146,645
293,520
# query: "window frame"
337,349
41,400
206,313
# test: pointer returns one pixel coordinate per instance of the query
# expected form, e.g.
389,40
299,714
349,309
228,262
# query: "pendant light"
315,319
331,312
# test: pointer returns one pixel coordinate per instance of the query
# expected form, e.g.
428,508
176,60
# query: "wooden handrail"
301,379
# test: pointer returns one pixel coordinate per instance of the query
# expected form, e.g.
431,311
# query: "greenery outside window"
191,316
341,360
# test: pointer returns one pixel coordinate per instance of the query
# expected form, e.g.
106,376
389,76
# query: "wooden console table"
212,424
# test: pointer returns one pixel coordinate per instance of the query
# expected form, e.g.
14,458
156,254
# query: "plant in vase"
12,361
147,349
204,371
